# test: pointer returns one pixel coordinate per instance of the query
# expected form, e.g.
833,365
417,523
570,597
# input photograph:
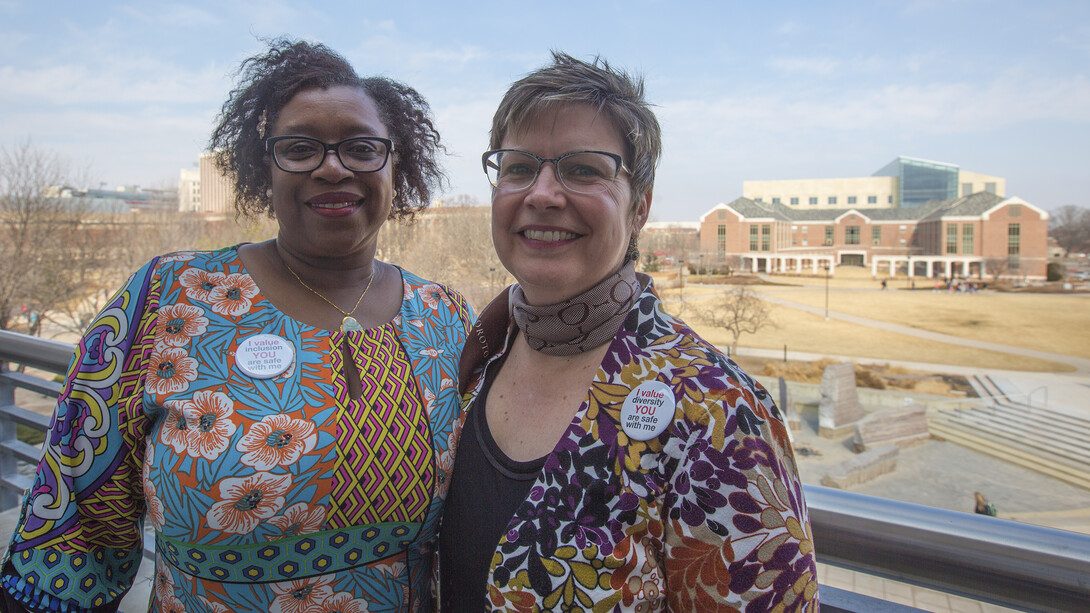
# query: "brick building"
979,235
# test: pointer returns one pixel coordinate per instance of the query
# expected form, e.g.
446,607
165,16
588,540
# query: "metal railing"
993,560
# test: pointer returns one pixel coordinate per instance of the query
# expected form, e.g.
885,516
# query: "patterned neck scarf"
579,323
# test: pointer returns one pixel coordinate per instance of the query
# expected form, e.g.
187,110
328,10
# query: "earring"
632,254
268,193
395,195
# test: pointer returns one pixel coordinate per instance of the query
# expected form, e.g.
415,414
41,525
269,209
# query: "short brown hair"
617,93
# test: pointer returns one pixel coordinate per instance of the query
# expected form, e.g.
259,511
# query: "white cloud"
789,28
816,66
170,15
938,108
127,82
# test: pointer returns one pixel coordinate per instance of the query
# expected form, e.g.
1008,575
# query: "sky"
128,92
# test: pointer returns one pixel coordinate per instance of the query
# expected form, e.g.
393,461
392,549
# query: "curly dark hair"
267,82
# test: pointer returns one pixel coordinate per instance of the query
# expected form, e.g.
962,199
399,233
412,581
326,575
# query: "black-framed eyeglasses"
306,154
583,172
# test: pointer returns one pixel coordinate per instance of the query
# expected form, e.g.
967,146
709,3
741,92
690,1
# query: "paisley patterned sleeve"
79,539
737,534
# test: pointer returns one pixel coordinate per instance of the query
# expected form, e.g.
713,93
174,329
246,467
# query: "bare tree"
739,311
37,266
1070,226
997,267
451,245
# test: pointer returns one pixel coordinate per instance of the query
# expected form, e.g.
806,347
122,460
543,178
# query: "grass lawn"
805,332
1045,322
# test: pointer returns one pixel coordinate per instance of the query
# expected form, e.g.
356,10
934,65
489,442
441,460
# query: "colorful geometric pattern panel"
384,468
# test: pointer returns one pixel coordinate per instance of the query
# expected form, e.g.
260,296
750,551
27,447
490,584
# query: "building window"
1014,210
813,200
775,201
903,228
989,187
721,240
753,236
766,237
794,201
876,235
1014,239
805,242
891,199
851,235
794,228
967,239
851,199
902,241
966,189
722,214
832,199
758,199
952,238
872,199
828,235
805,229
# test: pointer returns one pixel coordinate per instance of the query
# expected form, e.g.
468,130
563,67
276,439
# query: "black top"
485,490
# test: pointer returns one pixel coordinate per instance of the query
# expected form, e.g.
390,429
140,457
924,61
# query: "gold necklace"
349,323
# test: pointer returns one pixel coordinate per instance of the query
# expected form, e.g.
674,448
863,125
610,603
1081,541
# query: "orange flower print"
276,440
169,370
301,596
432,294
431,352
342,602
299,519
244,502
232,297
183,256
199,283
171,604
164,583
214,606
175,430
155,506
178,323
208,416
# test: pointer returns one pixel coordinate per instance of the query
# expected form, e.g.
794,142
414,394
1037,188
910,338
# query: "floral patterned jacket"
706,516
193,402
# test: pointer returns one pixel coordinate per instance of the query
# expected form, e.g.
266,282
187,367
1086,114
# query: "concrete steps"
1048,442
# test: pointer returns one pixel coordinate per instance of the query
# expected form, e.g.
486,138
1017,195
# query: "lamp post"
825,267
681,280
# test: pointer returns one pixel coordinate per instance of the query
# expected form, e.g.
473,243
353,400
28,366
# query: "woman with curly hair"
281,412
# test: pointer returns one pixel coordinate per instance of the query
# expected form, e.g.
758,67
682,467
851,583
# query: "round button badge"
264,356
648,410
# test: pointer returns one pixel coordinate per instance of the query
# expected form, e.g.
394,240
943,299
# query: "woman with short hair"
611,459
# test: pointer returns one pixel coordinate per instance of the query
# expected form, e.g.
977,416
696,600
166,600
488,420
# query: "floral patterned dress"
705,515
269,490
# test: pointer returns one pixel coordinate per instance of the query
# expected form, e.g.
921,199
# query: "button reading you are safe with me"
264,356
648,410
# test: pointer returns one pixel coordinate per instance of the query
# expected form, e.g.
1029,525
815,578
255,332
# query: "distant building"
980,235
124,199
189,190
217,196
903,183
671,240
